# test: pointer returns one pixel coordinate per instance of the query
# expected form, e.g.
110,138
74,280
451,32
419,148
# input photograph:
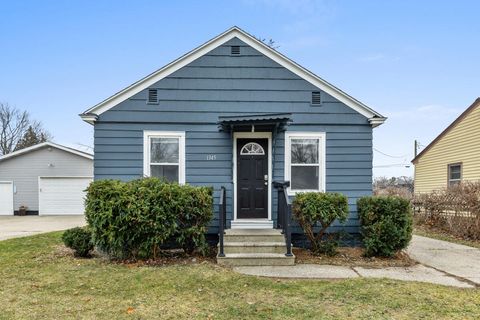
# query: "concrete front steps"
255,247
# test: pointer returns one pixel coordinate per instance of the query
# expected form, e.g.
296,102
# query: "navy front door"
252,178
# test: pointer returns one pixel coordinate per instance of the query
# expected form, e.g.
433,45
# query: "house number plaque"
211,157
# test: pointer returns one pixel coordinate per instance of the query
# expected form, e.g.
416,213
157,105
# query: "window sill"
294,192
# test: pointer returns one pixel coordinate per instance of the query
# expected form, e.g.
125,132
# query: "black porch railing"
222,217
284,213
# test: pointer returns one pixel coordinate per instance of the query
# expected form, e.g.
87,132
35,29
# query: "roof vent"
235,50
152,96
316,97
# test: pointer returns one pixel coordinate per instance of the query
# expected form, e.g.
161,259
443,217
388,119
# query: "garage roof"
47,144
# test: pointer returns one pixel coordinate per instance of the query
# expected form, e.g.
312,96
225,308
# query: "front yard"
38,279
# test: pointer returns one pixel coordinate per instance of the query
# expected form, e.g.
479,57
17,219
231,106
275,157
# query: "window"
164,155
152,96
252,148
305,161
316,97
454,174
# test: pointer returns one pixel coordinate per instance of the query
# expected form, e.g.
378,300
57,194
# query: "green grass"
38,282
436,234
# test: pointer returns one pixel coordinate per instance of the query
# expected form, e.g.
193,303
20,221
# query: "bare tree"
17,131
270,42
402,186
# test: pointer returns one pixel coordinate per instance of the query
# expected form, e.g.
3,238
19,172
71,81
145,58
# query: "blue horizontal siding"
191,100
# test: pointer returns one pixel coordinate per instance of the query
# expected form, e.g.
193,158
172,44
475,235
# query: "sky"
415,62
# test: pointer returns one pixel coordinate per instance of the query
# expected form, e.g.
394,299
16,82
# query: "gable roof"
91,114
46,144
475,104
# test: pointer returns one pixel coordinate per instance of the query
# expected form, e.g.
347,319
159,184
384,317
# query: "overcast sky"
416,62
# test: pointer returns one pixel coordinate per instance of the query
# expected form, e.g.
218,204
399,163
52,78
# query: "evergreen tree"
31,137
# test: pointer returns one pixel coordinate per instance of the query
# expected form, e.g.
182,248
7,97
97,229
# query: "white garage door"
62,195
6,198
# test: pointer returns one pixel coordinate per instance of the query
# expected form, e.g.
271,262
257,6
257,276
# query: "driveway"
15,226
454,259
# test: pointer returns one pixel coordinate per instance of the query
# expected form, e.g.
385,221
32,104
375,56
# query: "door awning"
255,122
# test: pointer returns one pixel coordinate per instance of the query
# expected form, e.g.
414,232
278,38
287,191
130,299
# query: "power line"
393,165
388,155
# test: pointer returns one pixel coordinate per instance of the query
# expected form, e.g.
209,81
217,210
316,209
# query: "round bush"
317,208
386,224
80,240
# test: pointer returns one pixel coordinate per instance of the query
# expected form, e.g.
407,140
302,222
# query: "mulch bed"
353,257
173,257
165,258
347,256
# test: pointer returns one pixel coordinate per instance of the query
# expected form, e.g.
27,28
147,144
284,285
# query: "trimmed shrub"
80,240
135,219
311,209
386,224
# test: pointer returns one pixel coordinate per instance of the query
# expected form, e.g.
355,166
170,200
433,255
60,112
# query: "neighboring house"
237,113
453,156
47,178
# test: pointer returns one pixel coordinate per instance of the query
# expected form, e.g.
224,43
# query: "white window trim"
322,149
147,135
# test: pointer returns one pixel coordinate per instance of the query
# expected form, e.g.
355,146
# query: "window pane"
170,173
455,172
454,175
452,183
304,178
164,150
304,150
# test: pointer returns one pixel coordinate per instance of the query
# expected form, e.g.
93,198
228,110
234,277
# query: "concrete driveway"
15,226
454,259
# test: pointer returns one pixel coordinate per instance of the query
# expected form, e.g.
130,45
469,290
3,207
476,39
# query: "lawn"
39,280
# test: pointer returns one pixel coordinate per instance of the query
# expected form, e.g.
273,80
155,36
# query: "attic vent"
152,96
316,97
235,50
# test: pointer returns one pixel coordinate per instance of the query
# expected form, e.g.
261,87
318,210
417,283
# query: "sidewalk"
455,259
440,262
314,271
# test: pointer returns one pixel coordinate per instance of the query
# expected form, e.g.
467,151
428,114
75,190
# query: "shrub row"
386,221
135,219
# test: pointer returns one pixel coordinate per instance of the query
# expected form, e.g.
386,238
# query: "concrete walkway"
314,271
440,262
15,226
455,259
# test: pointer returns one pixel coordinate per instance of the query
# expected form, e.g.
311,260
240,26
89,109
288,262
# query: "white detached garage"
48,178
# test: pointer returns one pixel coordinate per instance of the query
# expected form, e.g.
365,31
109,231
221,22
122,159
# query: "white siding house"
49,179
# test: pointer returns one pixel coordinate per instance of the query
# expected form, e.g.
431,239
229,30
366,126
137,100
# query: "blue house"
237,114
